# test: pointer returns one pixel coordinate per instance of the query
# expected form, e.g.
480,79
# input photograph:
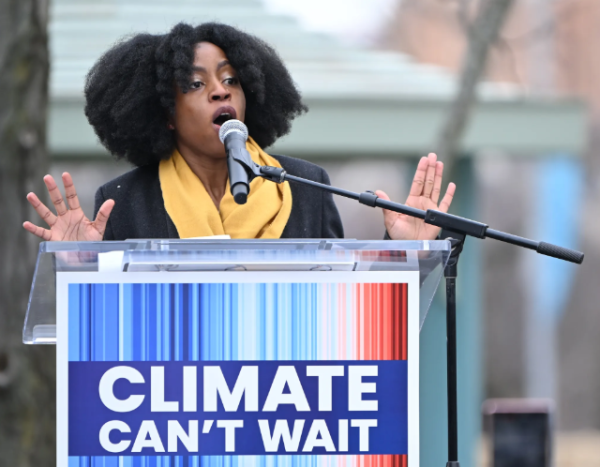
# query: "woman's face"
215,96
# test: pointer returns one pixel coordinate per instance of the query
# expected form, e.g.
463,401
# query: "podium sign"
182,367
211,364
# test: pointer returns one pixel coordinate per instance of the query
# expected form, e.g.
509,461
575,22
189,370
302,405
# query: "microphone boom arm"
448,222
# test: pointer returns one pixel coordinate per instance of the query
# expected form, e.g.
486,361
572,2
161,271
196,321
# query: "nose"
219,92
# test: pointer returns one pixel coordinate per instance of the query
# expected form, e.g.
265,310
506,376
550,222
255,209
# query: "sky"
354,21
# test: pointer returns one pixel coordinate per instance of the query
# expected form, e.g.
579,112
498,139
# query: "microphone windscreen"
233,126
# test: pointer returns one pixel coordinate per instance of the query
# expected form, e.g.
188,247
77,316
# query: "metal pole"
451,372
450,273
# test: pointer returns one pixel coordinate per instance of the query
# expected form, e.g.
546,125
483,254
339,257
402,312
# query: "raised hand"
424,194
69,224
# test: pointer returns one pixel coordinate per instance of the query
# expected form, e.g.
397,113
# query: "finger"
430,175
416,188
103,214
70,192
55,195
41,209
44,234
437,184
447,201
382,194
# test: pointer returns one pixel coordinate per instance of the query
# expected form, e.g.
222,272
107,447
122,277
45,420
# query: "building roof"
360,100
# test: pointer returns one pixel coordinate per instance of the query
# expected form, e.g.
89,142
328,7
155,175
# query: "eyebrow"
219,66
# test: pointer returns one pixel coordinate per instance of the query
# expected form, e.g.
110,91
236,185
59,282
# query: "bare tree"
27,374
481,34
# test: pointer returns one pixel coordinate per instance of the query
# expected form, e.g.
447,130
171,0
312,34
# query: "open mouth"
224,114
222,119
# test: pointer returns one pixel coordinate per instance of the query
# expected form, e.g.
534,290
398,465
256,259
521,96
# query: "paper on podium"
112,261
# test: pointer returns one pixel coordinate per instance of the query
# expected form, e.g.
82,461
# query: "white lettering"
106,387
363,426
214,383
296,396
190,389
148,428
356,388
230,426
189,440
325,373
281,432
157,392
207,426
318,427
342,435
105,436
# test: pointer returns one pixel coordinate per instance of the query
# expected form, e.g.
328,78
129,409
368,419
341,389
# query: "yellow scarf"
193,212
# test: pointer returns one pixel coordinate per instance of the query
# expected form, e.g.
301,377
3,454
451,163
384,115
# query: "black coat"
140,212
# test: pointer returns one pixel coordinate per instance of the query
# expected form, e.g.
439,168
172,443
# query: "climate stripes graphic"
208,322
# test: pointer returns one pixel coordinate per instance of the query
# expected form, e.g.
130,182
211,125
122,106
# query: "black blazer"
140,212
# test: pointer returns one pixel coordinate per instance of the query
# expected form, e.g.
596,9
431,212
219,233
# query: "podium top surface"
243,255
203,244
192,255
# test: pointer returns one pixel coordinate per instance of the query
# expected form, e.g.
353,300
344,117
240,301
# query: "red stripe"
388,351
404,321
382,320
397,323
384,309
368,325
374,327
358,308
376,301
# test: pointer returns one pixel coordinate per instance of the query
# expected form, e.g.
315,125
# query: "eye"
196,84
231,81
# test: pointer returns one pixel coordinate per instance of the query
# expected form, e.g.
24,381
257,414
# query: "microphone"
233,134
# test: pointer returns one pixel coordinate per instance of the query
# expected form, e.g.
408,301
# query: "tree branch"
482,34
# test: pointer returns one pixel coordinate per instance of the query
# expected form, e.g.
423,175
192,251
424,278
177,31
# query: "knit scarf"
194,213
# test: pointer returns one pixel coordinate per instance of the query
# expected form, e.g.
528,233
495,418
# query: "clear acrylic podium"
164,256
141,306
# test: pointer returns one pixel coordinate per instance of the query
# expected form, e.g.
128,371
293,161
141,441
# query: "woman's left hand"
424,194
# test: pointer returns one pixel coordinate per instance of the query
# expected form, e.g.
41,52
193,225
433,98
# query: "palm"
424,195
68,224
407,227
74,226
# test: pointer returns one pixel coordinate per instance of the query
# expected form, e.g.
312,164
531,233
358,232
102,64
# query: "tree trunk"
481,36
27,374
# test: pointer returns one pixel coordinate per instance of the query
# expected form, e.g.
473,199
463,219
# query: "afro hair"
130,91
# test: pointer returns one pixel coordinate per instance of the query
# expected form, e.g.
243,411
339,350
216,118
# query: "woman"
158,101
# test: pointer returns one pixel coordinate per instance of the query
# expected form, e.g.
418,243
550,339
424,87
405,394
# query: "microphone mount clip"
273,174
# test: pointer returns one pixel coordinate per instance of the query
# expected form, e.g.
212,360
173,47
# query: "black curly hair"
130,91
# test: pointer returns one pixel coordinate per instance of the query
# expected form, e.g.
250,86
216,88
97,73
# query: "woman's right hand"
70,224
